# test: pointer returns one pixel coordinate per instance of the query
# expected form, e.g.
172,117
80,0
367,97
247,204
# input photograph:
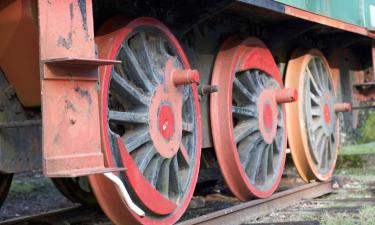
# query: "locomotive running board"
69,86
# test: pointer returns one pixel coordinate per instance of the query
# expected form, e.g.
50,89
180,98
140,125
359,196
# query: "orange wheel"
313,129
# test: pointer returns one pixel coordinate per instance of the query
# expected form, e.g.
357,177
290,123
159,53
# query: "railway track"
244,212
70,215
232,215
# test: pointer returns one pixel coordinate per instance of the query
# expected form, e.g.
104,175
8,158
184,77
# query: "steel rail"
61,216
237,214
244,212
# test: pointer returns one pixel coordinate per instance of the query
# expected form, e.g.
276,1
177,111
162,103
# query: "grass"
366,216
22,187
367,148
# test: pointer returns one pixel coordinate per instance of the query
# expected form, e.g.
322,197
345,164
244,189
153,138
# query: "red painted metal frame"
316,18
109,41
19,49
69,75
238,55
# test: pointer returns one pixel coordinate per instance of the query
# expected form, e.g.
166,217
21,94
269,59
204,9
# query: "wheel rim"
314,140
250,147
154,126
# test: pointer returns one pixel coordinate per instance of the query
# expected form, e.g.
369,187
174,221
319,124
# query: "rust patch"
84,94
69,105
82,8
67,42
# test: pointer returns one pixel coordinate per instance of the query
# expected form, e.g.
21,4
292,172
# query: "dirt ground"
31,193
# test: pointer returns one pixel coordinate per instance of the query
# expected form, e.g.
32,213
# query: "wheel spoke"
244,149
318,76
243,112
127,117
184,153
314,98
270,168
263,167
187,127
244,129
319,139
146,52
279,137
312,79
163,181
135,70
134,139
240,89
316,124
325,152
255,161
280,118
143,156
126,90
321,152
323,75
315,111
153,169
258,79
247,78
176,182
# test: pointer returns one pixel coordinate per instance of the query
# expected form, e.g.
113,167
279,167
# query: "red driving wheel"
248,124
150,122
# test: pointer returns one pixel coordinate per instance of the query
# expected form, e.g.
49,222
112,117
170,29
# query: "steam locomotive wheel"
150,123
76,189
248,126
314,131
5,182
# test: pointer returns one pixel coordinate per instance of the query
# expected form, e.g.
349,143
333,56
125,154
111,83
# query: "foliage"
368,129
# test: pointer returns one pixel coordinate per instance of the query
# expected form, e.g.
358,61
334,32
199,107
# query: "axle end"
286,95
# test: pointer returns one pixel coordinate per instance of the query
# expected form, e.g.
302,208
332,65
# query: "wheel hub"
166,105
327,112
327,117
166,121
267,115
